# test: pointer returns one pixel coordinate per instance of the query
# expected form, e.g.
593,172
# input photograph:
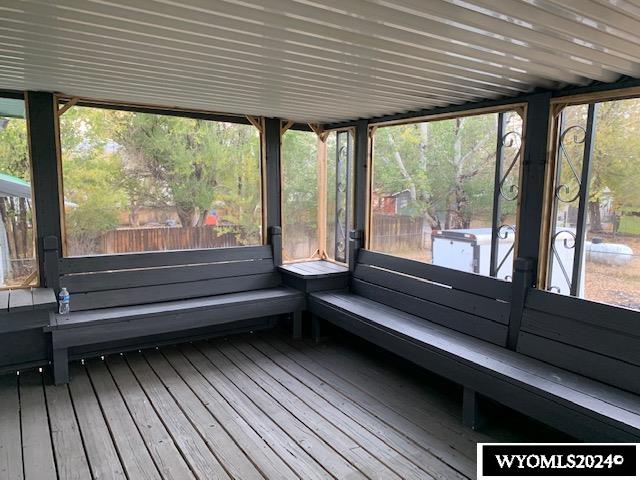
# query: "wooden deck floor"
244,408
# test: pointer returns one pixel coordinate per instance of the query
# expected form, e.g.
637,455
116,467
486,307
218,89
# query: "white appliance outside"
469,250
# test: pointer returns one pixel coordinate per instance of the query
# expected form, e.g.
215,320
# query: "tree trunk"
459,196
185,215
424,142
403,169
22,227
595,217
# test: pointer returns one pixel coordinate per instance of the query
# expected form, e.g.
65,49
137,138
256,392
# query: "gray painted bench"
134,296
23,314
456,325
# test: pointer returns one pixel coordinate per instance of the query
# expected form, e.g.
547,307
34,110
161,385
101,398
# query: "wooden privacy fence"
397,233
170,238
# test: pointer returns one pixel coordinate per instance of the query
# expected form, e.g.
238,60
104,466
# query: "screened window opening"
340,194
144,182
594,241
299,163
446,192
18,264
317,195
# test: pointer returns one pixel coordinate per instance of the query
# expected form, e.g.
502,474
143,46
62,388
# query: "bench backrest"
466,302
593,339
136,279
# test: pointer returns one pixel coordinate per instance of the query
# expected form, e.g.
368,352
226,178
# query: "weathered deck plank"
133,452
193,448
270,429
10,437
346,446
441,441
304,436
249,436
102,455
253,407
71,458
407,459
216,437
158,441
37,450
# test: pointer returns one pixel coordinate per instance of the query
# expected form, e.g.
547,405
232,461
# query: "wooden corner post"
530,214
275,240
42,118
355,244
273,188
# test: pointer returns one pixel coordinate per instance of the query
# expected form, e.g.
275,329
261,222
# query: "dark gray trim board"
215,117
129,261
18,95
172,338
594,87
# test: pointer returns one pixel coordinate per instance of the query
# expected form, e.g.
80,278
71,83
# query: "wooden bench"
122,297
456,324
23,314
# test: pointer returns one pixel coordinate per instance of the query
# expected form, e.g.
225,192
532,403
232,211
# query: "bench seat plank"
476,363
85,328
118,314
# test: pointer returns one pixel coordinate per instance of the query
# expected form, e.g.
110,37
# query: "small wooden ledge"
315,275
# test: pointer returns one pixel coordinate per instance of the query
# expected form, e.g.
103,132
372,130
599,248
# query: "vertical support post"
361,194
470,411
581,221
272,184
60,366
51,256
316,328
355,244
275,240
321,213
42,119
533,177
495,238
297,324
529,224
523,278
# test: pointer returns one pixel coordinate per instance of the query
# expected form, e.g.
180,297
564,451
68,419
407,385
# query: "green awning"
11,107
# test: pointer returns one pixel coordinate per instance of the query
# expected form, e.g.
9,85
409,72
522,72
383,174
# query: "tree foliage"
116,162
447,167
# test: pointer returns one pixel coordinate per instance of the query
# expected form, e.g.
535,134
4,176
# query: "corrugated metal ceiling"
304,60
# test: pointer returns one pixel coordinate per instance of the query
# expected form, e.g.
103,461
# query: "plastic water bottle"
63,301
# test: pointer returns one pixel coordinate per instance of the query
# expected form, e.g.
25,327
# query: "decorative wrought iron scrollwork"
502,233
568,242
579,135
342,195
508,140
506,189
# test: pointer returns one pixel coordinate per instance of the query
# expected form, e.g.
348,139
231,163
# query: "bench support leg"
60,366
297,325
316,325
471,417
